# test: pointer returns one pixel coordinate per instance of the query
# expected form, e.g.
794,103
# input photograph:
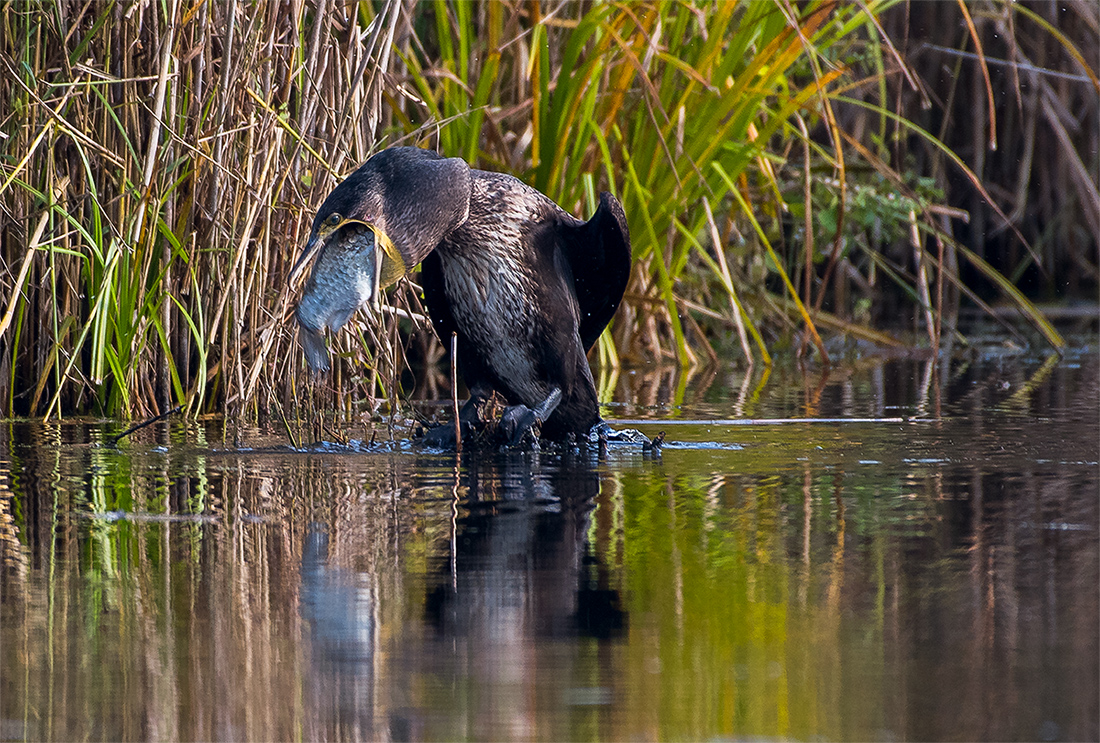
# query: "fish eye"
333,219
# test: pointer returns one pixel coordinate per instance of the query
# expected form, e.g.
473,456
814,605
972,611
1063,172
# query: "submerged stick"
143,424
454,390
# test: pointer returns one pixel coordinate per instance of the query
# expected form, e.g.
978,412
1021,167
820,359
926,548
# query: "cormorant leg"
517,420
469,417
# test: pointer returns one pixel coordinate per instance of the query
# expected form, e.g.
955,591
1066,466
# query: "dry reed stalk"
922,281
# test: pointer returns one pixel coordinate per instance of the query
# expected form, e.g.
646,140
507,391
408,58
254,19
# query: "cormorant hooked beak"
305,259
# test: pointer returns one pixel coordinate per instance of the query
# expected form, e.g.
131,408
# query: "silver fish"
343,279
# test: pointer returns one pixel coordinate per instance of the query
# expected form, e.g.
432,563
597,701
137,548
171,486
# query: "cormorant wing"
598,252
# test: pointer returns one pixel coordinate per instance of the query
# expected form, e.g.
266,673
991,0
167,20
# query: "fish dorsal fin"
392,265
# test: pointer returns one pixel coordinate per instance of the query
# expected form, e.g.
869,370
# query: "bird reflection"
521,559
515,578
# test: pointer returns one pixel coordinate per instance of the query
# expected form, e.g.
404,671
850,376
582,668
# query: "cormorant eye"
334,219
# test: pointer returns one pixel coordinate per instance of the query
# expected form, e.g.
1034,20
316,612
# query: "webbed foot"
519,421
442,436
604,432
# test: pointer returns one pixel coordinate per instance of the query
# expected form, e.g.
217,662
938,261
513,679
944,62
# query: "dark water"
921,565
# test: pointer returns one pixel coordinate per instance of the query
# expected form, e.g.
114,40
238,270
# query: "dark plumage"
527,287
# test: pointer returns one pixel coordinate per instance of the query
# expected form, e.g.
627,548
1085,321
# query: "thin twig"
143,424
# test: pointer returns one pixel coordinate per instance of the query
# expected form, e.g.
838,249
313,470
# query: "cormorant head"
370,231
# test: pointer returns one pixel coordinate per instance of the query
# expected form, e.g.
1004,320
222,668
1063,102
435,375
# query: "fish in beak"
345,276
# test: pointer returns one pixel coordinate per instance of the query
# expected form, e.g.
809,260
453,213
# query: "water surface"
895,554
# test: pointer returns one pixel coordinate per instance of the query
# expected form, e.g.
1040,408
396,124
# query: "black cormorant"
527,287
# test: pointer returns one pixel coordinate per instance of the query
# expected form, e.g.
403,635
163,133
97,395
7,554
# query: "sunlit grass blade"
777,263
1027,309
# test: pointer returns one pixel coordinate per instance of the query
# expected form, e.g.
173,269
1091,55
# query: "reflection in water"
521,576
340,612
516,574
924,579
520,557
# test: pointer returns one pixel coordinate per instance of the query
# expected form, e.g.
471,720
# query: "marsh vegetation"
809,179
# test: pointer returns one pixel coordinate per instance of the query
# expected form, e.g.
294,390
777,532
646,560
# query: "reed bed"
160,163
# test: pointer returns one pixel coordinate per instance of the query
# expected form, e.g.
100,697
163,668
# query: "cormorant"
527,287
